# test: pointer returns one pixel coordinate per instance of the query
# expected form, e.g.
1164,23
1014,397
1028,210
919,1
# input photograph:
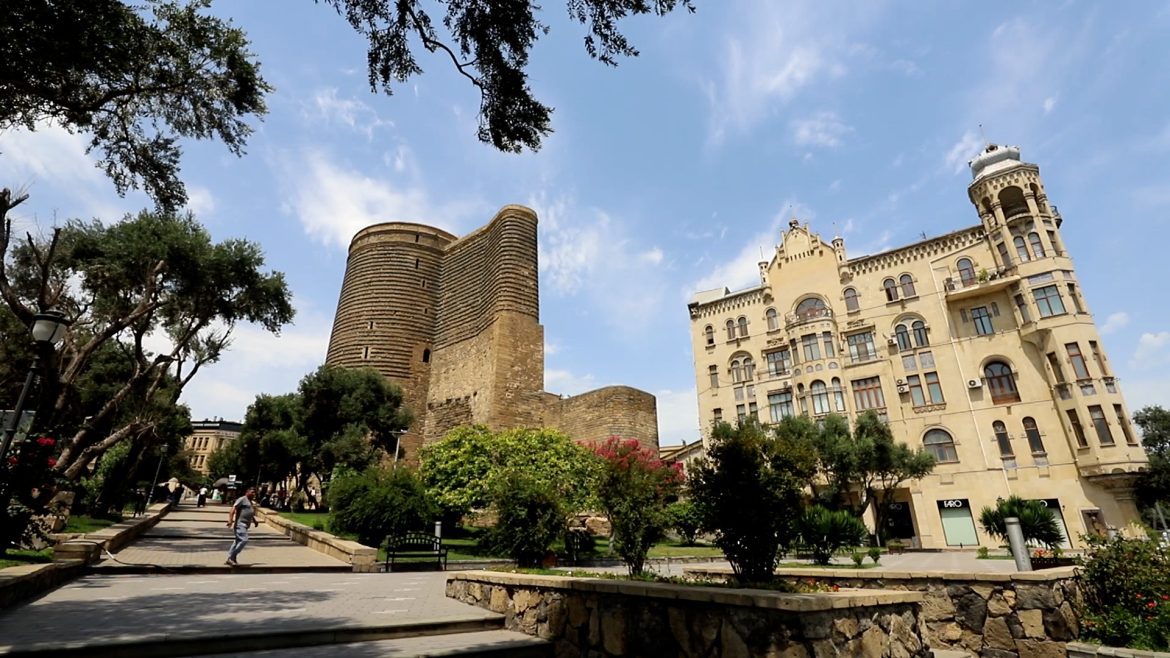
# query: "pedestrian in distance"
201,500
241,517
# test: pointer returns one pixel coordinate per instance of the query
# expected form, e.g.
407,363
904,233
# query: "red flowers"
51,461
46,442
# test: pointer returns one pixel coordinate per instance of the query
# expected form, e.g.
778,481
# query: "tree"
685,519
1153,486
379,502
154,275
1154,422
633,489
826,531
488,43
530,515
136,77
749,493
1038,524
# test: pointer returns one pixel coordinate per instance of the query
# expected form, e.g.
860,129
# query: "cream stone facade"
976,345
207,436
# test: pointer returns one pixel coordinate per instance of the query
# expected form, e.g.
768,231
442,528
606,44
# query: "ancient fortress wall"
456,323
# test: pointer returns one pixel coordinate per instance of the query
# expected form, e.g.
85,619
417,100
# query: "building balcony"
958,288
796,319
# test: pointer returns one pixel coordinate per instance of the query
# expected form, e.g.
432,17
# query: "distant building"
207,436
683,453
456,323
976,345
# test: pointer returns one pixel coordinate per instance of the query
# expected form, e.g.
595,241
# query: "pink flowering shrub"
28,484
634,489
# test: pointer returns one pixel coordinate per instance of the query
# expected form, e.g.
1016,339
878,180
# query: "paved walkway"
191,536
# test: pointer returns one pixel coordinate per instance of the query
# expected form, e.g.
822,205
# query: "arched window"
919,328
891,288
803,399
966,271
903,336
709,332
851,303
1012,200
1002,382
820,397
812,307
731,330
749,369
1035,442
1021,249
907,283
773,319
838,395
736,372
939,443
1037,245
743,327
1002,438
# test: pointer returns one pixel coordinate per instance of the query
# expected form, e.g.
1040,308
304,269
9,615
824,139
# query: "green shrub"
685,520
1037,522
378,502
749,490
1125,586
983,553
530,516
826,531
858,558
875,554
297,501
633,487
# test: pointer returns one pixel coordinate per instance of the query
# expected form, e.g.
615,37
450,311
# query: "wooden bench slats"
415,545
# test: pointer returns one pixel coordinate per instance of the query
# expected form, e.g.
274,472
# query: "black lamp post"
48,329
162,455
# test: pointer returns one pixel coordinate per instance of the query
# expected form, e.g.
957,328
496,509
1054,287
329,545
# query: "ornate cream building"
976,345
207,436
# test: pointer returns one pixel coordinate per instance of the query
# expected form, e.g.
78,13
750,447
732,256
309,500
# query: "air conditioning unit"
974,383
903,388
901,382
892,341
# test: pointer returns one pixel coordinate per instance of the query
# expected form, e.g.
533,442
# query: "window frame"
820,397
730,325
944,452
1001,384
784,401
1101,425
1076,359
1044,296
1021,246
1037,245
1035,439
890,286
902,336
772,318
852,300
810,347
868,390
967,275
853,341
709,334
743,326
921,337
981,318
906,285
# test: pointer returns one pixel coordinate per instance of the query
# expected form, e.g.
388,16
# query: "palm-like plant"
826,531
1037,522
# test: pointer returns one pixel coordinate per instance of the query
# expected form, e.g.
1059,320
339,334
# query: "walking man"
241,517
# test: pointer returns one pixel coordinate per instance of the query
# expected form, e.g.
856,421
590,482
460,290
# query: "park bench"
414,545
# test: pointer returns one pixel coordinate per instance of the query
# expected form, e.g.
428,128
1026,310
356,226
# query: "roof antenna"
983,133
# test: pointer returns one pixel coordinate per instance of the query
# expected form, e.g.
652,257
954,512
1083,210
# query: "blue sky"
669,173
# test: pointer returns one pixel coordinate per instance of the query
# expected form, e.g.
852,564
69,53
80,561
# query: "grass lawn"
868,564
18,557
81,524
675,549
315,520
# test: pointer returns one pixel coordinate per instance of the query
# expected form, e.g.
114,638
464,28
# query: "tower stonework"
456,323
976,345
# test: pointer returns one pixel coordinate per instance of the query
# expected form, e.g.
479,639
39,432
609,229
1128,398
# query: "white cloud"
963,151
565,382
200,200
334,202
347,112
1049,104
1146,391
743,270
1153,350
821,129
652,256
678,416
1115,322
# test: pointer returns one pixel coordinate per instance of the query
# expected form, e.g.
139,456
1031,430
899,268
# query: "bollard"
438,529
1016,541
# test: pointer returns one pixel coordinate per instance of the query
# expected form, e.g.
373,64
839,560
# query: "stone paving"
507,643
192,536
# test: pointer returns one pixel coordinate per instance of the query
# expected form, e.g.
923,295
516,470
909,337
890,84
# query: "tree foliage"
489,43
137,77
634,489
530,516
379,502
685,520
749,492
1153,486
462,469
154,275
1038,524
825,531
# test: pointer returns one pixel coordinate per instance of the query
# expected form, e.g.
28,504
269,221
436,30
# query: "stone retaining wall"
18,584
600,617
994,615
88,547
1080,650
362,558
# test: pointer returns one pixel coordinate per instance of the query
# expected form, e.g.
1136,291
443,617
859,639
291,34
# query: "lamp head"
48,327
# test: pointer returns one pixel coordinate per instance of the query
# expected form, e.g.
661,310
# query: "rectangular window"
926,359
1022,305
1099,358
934,388
867,393
1104,435
827,339
909,363
1057,371
1078,431
739,394
1123,421
751,392
779,362
753,410
812,351
741,412
1048,301
917,397
780,405
1052,241
1004,256
861,347
1110,385
982,320
713,374
1077,360
718,415
1076,299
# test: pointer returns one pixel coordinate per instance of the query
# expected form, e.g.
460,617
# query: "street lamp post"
162,455
48,328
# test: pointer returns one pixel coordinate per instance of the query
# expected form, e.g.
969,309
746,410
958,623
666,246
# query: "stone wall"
362,558
620,411
597,617
1082,650
995,615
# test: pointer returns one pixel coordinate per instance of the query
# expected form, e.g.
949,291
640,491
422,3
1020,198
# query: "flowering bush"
28,487
633,489
1126,588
